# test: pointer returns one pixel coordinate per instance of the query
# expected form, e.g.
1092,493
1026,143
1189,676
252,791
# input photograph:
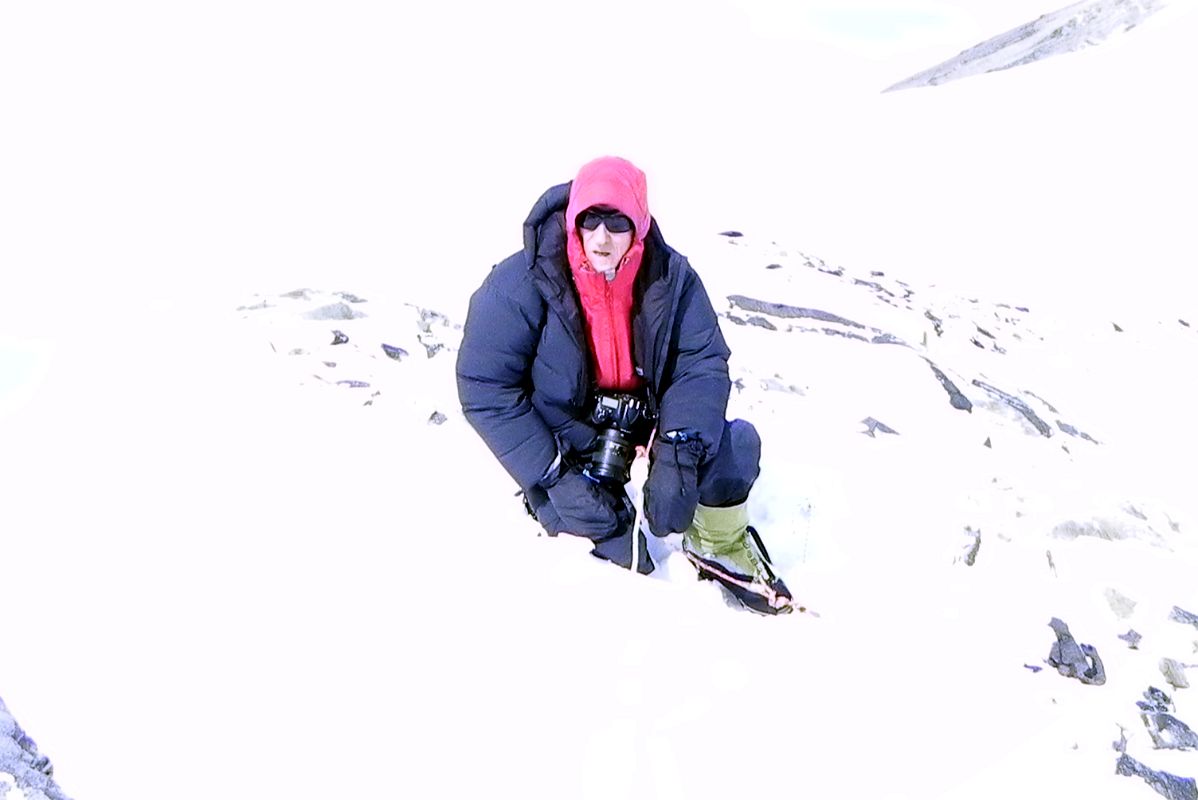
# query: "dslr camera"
623,421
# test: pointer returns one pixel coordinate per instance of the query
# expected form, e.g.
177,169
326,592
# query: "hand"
672,490
580,505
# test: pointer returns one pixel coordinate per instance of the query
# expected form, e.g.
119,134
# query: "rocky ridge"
1069,29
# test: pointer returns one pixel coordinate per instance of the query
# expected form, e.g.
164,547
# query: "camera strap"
639,505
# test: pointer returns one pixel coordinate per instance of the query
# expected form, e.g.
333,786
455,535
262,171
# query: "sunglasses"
614,221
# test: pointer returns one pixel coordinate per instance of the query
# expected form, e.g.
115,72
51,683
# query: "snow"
229,576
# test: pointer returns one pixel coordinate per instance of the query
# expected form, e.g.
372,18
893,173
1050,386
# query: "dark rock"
1075,660
958,400
983,331
1117,328
329,364
1132,638
872,425
296,294
987,443
1017,404
1072,431
349,297
1155,700
1183,322
937,323
1179,615
732,234
19,757
1166,784
298,351
877,287
430,350
1032,667
437,418
1168,732
844,334
397,353
887,338
971,552
773,266
762,322
339,338
340,311
977,344
354,384
788,312
877,273
735,320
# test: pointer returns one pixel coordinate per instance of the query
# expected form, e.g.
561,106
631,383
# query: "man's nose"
601,232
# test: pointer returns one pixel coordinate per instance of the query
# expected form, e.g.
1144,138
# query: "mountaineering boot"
725,548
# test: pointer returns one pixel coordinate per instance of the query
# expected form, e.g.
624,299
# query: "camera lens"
612,457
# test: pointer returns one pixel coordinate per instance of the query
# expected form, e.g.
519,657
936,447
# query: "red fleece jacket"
607,306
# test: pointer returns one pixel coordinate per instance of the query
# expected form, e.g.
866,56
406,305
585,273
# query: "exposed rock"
1071,28
397,353
1072,431
1017,404
762,322
1047,404
437,418
1155,700
1166,784
971,550
1168,732
732,234
354,384
1180,615
339,338
350,297
872,425
1132,638
789,312
937,323
773,266
31,771
1075,660
844,334
1175,673
432,349
958,400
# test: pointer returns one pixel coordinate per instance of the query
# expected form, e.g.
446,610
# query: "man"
598,322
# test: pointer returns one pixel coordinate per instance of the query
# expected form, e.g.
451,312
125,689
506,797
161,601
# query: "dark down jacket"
524,373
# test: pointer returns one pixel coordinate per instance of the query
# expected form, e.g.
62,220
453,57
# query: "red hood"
608,181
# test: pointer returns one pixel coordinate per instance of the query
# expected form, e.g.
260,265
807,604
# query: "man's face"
603,248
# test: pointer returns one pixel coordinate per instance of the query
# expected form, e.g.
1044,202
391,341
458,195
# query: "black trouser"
724,480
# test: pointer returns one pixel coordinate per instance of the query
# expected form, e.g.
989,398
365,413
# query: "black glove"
580,506
672,490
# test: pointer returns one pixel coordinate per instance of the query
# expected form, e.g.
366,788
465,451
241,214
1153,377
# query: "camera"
623,420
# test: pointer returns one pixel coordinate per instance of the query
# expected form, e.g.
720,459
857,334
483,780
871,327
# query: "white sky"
241,581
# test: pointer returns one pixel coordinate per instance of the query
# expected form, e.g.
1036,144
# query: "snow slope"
230,576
